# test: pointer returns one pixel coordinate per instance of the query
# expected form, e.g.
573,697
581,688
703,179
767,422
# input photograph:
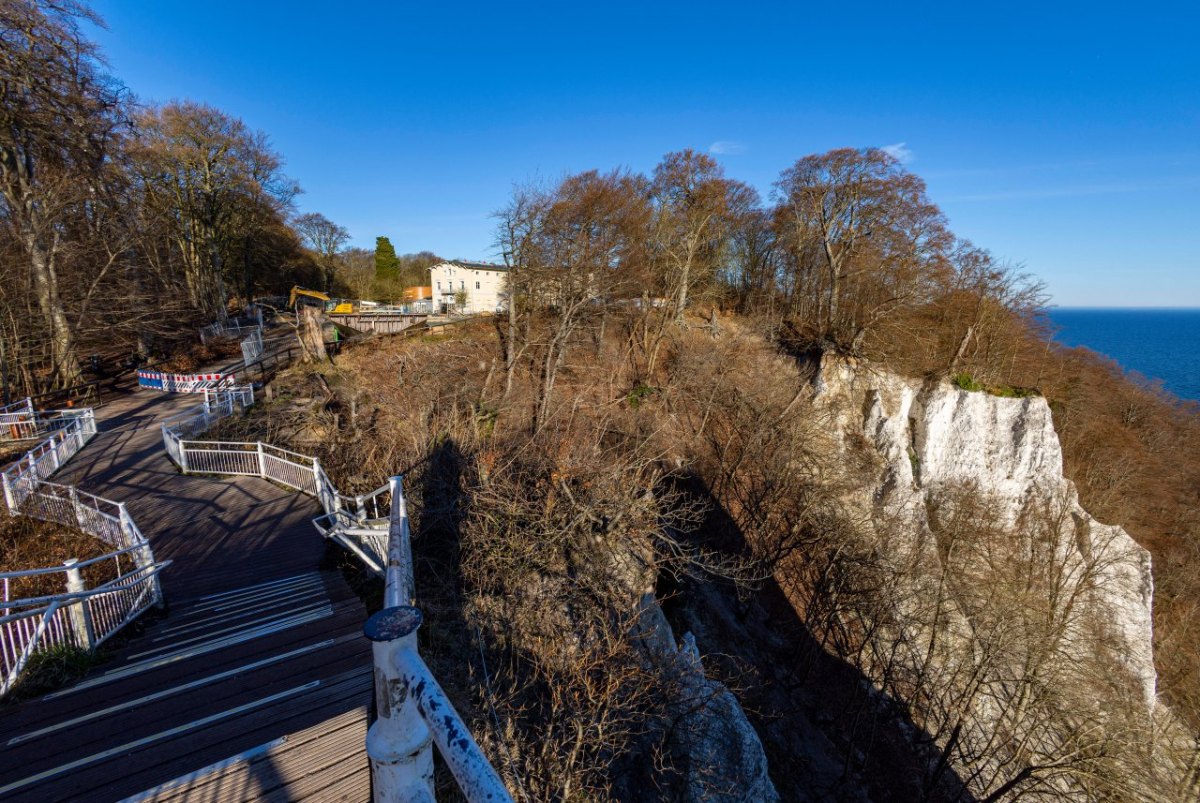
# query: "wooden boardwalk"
254,686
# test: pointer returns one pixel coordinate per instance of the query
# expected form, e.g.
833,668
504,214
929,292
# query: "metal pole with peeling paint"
399,743
413,710
413,714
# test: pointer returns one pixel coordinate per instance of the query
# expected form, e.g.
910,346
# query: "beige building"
469,287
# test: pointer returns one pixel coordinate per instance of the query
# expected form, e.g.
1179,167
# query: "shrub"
965,381
639,394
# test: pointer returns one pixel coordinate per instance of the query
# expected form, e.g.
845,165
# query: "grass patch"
965,381
27,543
51,669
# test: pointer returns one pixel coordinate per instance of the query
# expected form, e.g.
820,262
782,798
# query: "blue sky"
1063,136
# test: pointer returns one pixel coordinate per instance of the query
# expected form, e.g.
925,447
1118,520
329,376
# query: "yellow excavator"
336,306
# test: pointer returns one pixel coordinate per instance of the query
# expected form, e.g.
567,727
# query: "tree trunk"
510,352
311,339
62,343
682,296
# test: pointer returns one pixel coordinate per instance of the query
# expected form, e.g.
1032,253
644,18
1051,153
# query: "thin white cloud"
723,147
899,151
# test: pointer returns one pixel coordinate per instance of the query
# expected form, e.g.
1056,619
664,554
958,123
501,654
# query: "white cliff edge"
932,436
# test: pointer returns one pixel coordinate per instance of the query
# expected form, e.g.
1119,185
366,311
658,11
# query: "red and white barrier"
182,383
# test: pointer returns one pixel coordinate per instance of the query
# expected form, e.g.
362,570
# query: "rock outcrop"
713,746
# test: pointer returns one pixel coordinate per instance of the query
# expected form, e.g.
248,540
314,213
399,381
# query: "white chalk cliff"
927,438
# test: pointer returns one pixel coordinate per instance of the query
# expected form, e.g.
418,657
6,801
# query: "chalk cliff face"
929,439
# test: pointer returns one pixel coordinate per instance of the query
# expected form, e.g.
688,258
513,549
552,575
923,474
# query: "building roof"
471,265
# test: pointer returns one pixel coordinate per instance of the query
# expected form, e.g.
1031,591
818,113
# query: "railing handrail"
398,589
412,707
79,565
107,587
25,403
9,679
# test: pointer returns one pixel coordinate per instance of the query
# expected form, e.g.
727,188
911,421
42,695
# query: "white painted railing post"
9,498
329,501
143,557
73,494
81,615
399,743
262,461
183,466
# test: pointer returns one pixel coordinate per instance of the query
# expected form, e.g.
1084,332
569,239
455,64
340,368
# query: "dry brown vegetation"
535,543
26,543
595,445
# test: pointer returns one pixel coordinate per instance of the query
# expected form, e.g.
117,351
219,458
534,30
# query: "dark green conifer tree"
387,264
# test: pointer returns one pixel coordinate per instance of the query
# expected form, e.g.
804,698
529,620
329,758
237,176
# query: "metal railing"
354,522
252,346
20,422
413,711
232,327
17,421
80,617
69,431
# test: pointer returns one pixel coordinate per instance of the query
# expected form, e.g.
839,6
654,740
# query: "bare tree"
861,238
325,238
59,117
695,211
216,176
572,251
356,269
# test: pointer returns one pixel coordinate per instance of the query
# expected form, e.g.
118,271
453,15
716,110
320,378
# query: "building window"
476,285
439,285
462,285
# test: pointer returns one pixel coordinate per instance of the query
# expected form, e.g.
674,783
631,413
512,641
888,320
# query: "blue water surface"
1158,343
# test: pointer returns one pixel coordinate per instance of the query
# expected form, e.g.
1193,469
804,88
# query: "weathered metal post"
143,557
399,743
55,443
81,615
73,495
328,499
9,498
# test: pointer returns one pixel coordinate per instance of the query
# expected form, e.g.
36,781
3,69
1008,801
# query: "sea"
1161,344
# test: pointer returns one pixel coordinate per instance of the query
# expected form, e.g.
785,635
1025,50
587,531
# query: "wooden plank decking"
254,686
